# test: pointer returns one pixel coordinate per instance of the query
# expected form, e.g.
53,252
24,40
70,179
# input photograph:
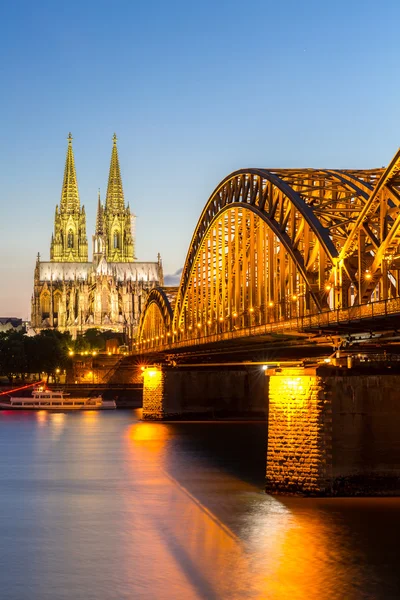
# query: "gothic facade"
71,293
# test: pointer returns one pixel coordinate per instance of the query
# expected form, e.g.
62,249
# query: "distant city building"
10,324
71,293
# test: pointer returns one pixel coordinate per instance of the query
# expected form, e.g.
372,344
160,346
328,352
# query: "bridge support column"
162,393
154,394
299,455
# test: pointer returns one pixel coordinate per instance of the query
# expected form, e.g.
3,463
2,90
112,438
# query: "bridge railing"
322,320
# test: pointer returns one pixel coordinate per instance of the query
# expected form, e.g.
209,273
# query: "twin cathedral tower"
71,293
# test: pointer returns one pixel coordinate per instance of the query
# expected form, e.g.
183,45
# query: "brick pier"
299,455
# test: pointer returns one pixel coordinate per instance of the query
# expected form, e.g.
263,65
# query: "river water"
102,506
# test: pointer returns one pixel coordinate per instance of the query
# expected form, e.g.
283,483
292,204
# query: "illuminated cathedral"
71,293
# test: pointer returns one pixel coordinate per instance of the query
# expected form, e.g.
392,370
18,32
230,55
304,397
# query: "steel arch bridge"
277,245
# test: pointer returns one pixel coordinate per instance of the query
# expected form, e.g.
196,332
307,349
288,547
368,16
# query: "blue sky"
193,91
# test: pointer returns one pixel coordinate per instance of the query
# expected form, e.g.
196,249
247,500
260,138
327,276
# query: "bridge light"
161,336
168,334
157,337
190,327
199,325
152,377
251,309
175,332
71,352
234,314
208,322
221,318
142,368
294,297
328,287
368,275
270,304
295,385
264,367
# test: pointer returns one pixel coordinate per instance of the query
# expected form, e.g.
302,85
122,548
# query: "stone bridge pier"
331,431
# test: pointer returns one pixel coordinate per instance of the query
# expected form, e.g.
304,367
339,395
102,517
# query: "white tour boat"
43,399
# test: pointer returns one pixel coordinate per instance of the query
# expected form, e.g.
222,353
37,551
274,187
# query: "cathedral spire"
115,195
100,217
119,242
69,242
99,239
69,194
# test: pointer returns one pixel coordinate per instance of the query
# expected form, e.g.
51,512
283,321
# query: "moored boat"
44,399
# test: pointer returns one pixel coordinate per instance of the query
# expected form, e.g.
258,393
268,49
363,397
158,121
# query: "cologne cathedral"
71,293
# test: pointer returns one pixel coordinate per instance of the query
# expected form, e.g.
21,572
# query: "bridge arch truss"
271,245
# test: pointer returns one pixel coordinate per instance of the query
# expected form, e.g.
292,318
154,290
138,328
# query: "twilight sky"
194,90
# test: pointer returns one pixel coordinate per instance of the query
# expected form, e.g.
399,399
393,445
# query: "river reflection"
104,506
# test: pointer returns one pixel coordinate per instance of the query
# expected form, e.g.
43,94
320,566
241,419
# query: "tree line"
22,355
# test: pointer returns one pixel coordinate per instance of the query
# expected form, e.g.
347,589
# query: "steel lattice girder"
319,216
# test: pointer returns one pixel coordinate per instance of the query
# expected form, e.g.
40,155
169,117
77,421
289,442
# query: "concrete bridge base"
330,431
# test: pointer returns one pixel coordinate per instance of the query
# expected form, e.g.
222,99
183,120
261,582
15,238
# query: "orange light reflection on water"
188,531
41,417
276,552
156,433
57,423
90,416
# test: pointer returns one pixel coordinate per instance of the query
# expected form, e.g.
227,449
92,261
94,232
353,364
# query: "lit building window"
56,302
45,301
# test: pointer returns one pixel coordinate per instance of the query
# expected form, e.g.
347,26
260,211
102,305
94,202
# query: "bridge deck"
374,316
